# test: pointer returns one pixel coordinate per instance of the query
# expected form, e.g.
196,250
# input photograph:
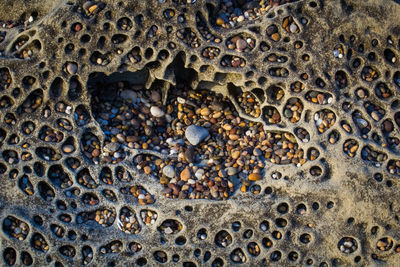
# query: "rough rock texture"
302,105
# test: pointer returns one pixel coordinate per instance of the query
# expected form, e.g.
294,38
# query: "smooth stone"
241,44
169,171
129,94
375,115
293,28
255,177
156,111
155,96
205,111
235,154
196,134
231,171
185,174
189,154
72,68
111,147
199,174
220,21
275,37
68,148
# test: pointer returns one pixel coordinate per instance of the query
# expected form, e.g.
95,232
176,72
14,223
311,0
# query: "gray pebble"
196,134
111,147
72,68
156,111
231,171
169,171
129,94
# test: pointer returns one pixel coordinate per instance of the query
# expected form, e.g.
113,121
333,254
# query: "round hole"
315,206
180,241
283,208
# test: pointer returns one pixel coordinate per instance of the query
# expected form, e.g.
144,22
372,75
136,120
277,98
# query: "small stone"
235,154
95,153
220,22
276,37
147,170
205,112
72,68
375,115
293,28
189,154
185,174
361,93
111,147
255,177
129,94
234,137
231,171
387,126
169,171
155,96
156,111
320,98
68,148
241,44
196,134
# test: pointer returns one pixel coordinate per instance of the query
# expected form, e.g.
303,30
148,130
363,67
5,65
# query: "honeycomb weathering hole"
191,134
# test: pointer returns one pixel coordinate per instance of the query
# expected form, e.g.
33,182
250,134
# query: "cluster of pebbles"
235,13
209,149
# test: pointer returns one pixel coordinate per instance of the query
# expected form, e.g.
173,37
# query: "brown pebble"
147,170
276,37
235,154
95,152
185,174
255,177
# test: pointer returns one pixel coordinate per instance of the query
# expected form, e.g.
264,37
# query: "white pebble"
181,100
156,111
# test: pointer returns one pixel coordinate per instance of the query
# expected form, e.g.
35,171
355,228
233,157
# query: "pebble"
196,134
111,147
375,115
293,28
199,174
157,112
241,44
129,94
231,171
276,37
68,148
147,170
255,177
235,154
169,171
185,174
72,68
